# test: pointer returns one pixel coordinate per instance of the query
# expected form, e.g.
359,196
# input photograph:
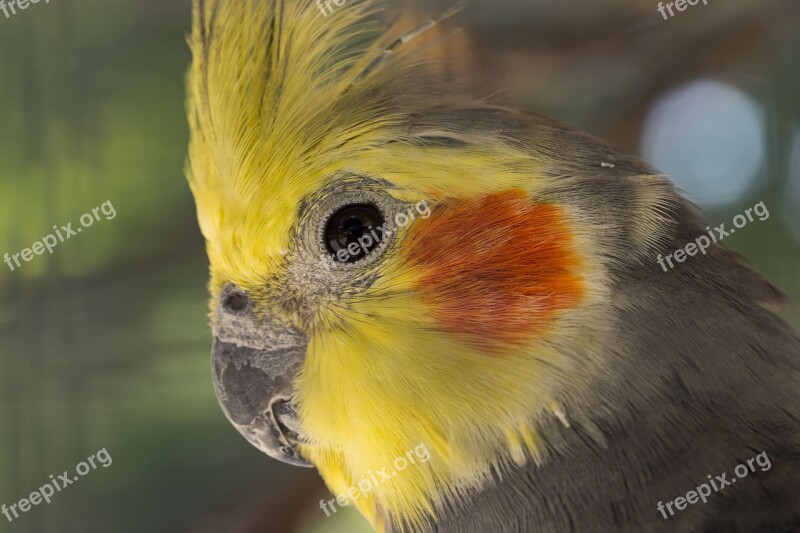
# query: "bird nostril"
236,301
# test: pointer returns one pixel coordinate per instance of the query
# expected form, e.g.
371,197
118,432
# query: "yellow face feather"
274,114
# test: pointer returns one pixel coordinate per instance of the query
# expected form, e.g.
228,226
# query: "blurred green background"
105,342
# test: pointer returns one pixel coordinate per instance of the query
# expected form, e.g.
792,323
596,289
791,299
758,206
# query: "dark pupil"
357,223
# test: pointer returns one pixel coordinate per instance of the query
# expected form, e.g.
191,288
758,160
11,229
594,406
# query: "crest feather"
280,95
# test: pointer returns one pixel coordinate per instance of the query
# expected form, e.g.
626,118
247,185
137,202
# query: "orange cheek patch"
497,268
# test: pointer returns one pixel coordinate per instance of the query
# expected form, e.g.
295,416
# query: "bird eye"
354,224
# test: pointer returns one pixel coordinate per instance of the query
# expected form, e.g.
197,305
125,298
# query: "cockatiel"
396,264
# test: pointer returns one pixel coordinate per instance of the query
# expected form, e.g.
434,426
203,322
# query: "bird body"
519,326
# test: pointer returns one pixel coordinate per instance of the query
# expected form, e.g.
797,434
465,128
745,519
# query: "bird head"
394,263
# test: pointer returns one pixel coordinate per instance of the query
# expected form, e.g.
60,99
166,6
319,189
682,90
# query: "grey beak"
254,388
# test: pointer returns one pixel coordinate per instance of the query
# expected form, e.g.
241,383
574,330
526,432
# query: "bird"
455,310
